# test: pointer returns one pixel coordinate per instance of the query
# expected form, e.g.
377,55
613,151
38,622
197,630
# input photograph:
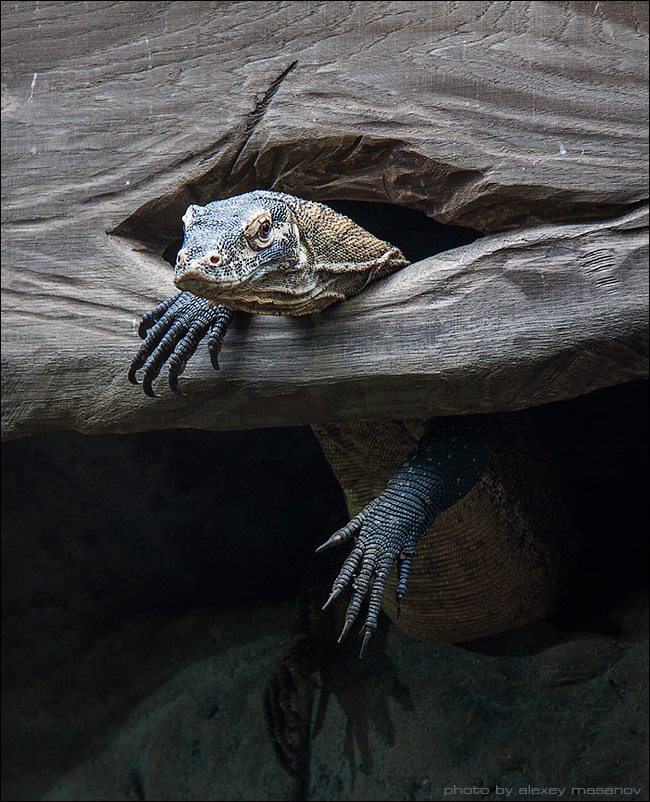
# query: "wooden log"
493,115
509,321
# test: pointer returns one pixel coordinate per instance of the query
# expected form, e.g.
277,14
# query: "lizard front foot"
445,464
172,332
386,531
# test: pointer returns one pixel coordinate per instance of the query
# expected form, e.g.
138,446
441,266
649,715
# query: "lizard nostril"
214,259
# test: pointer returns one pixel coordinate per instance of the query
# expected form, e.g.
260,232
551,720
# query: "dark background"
96,529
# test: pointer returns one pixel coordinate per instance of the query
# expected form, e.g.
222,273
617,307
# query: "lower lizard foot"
445,464
386,531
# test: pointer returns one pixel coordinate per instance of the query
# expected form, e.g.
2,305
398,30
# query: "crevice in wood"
364,169
353,167
341,171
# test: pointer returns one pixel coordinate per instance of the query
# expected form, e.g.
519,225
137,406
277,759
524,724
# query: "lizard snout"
210,259
202,275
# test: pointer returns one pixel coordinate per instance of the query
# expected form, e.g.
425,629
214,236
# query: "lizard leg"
172,332
446,463
289,691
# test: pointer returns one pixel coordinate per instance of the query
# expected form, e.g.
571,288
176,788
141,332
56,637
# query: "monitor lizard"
463,512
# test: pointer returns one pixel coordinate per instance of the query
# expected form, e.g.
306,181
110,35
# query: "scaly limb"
444,466
172,332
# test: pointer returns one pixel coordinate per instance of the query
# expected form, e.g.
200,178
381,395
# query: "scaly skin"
450,487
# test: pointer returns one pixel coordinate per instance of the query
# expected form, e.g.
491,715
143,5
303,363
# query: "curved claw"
132,371
374,604
147,386
386,530
172,332
333,595
343,534
346,629
172,378
366,640
354,607
161,353
345,574
155,324
217,334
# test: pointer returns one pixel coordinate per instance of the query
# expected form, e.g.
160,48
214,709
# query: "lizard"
463,512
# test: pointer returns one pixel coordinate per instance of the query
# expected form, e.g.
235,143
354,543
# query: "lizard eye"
260,232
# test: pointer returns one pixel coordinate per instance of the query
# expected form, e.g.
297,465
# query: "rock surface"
171,710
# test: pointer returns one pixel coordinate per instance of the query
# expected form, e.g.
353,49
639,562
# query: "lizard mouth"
195,281
256,293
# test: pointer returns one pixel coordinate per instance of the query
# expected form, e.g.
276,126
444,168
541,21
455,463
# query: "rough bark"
493,115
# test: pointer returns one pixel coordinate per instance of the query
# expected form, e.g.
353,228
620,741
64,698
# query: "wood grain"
526,116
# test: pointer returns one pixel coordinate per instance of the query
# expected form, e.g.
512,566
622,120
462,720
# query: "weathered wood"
506,322
493,115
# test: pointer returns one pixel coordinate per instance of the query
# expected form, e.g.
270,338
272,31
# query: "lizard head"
271,253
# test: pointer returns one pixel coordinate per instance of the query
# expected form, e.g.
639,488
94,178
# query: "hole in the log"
359,168
170,252
415,234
